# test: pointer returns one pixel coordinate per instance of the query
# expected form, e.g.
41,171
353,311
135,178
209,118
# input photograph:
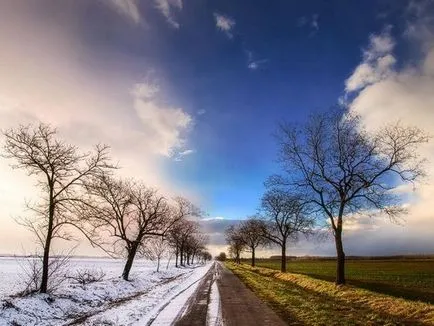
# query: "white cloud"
377,63
386,94
127,8
166,8
165,126
224,24
49,74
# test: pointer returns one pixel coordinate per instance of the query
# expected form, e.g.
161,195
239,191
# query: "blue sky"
189,92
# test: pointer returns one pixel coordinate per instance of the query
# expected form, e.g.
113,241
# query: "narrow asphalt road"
196,310
239,306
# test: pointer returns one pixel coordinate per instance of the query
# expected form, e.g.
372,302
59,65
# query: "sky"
188,94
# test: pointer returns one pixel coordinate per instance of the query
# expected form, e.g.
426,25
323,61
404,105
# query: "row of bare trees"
81,191
282,220
335,168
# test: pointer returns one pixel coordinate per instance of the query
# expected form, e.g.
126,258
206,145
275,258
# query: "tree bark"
46,258
130,259
283,258
253,257
340,262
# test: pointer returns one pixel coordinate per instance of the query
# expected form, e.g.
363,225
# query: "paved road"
196,311
239,306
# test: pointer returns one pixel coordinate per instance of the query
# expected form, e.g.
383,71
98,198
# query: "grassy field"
303,300
411,279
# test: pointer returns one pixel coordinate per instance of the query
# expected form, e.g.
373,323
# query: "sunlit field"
408,278
304,300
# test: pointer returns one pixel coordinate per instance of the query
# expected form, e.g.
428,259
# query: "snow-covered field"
111,301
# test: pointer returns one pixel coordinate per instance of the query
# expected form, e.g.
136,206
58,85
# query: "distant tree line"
333,169
80,190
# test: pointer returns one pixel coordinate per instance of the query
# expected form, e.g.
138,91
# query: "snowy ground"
111,301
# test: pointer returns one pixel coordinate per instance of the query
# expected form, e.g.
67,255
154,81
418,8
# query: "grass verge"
307,301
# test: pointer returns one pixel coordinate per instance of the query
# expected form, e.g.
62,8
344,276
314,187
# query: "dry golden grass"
316,302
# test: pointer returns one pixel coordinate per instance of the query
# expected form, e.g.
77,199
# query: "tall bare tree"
61,171
341,169
252,234
286,218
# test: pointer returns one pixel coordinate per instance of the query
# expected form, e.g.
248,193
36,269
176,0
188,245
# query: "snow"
111,301
175,301
214,317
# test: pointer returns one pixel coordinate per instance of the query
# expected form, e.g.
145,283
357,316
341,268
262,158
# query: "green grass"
405,278
303,300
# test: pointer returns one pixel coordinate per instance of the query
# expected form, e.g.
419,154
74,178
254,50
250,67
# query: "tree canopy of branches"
129,213
61,171
340,169
186,240
287,219
235,241
252,235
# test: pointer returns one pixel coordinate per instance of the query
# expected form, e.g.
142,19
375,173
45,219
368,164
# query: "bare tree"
252,234
341,169
130,213
180,235
155,249
61,171
286,220
235,241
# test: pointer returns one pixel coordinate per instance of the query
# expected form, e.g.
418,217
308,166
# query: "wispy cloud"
252,63
180,156
166,7
224,24
128,8
311,22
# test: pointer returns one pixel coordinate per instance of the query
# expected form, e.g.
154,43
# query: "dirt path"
240,306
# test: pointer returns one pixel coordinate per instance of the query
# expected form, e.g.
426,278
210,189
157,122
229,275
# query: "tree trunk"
176,257
46,258
283,258
130,259
340,262
158,264
253,257
181,257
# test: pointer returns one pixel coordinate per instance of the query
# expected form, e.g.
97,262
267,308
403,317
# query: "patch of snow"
214,317
175,301
103,300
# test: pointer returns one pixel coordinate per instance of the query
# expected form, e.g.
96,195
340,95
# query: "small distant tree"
221,256
340,169
286,220
235,241
252,235
61,170
155,249
180,237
